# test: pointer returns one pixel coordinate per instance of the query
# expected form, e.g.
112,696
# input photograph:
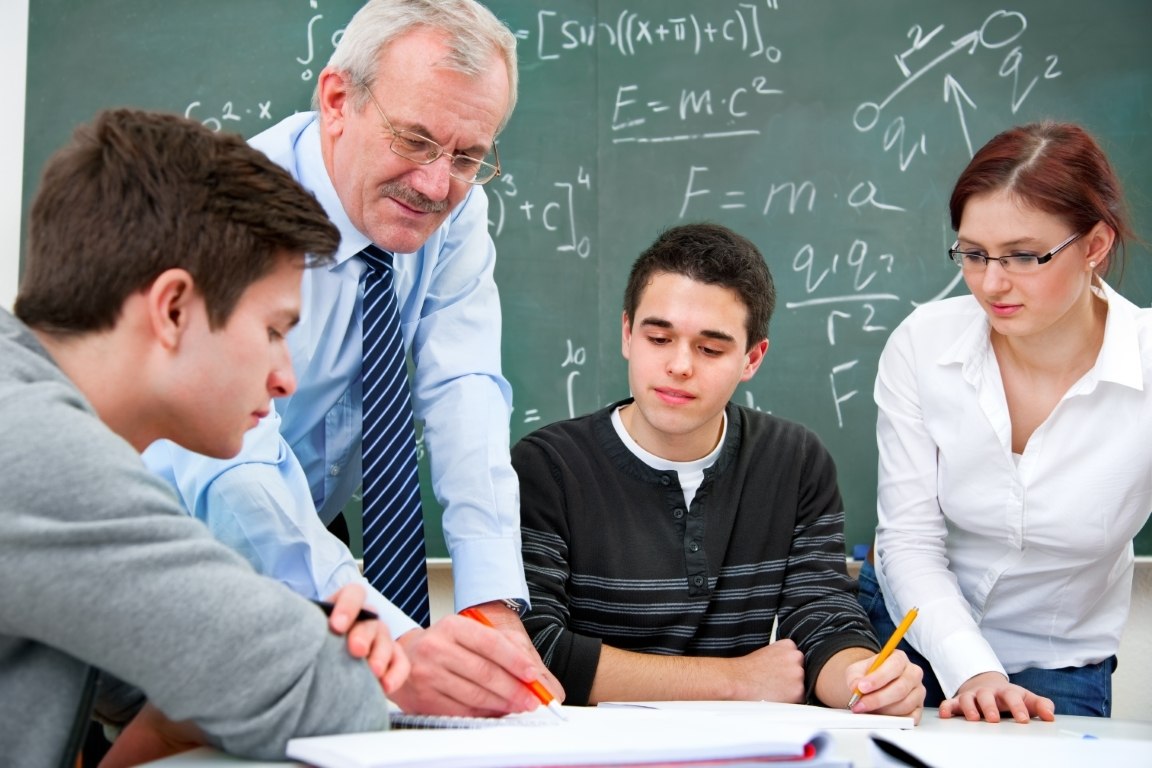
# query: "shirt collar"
971,345
1118,361
313,174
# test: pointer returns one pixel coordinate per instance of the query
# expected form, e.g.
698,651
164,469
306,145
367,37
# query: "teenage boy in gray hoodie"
162,274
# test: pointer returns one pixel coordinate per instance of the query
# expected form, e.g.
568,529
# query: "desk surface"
850,743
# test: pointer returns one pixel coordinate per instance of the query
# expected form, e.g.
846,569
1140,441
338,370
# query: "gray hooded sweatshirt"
100,569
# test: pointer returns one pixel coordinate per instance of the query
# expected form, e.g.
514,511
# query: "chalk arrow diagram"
954,92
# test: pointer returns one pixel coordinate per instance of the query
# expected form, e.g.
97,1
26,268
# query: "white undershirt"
691,473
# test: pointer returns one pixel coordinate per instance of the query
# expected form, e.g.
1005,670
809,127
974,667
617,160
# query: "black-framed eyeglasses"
424,151
1016,263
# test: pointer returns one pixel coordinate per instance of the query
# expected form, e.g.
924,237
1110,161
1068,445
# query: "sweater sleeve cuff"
574,662
820,655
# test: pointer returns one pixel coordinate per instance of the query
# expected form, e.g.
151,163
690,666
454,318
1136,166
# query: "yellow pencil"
886,651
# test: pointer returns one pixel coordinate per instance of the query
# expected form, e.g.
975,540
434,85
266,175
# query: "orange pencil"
535,686
886,651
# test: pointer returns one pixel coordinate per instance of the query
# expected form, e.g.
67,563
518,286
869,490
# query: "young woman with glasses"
1015,440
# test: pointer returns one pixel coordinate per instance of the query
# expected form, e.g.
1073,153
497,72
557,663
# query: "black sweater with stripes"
612,555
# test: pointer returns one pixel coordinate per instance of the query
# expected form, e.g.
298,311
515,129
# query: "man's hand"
508,621
368,640
988,694
461,667
895,688
772,673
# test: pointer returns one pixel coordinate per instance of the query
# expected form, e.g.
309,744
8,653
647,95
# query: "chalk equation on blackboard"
306,74
575,356
232,111
553,215
791,195
858,304
999,30
732,107
228,113
858,267
311,56
631,34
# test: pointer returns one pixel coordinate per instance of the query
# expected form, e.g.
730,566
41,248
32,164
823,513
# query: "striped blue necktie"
394,558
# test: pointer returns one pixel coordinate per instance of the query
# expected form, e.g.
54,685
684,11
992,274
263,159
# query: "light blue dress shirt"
301,465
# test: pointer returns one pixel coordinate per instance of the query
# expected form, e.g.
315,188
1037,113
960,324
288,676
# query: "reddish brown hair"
1058,168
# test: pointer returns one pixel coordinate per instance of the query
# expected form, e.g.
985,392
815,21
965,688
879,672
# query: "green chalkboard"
828,131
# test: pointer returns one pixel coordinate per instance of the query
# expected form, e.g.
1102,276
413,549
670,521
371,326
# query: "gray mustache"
412,198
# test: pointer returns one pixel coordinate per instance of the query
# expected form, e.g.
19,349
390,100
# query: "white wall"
13,62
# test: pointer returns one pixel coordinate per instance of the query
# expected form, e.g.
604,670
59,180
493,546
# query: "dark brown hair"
1058,168
714,255
136,193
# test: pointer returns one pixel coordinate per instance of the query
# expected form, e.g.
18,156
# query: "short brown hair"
136,193
714,255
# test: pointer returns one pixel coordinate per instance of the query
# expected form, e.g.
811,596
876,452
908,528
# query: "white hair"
473,35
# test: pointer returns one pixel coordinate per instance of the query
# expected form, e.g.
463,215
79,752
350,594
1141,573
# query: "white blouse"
1014,562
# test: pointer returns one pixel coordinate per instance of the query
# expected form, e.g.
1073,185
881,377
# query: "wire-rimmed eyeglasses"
1017,263
424,151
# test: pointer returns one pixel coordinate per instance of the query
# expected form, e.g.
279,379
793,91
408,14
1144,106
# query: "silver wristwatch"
519,606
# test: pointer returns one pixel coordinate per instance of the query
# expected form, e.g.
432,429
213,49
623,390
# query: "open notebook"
777,713
591,736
